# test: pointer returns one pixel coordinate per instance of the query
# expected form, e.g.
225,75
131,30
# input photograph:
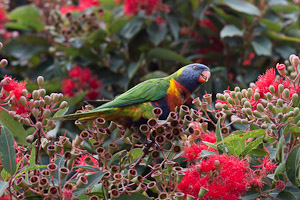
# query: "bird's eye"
195,67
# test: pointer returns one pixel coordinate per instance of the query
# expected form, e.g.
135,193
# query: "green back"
150,90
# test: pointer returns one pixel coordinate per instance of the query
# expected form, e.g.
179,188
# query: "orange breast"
176,95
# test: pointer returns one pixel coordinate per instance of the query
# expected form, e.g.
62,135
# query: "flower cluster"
133,7
224,177
81,80
82,5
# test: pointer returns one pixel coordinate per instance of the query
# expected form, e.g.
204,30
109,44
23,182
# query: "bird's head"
192,76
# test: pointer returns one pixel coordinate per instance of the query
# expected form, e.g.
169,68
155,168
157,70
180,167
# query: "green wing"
149,90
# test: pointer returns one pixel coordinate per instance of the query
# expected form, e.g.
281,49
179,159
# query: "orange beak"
204,76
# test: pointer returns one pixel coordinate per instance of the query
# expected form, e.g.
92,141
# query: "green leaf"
228,17
91,168
3,186
288,8
116,156
284,50
61,112
281,36
7,150
29,168
230,31
174,25
92,180
262,46
280,145
136,153
221,147
167,54
286,195
25,18
5,175
292,164
14,127
252,145
236,147
134,196
243,6
274,26
132,28
32,154
251,134
74,100
157,34
295,129
279,172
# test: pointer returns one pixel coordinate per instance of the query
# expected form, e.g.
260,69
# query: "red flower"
93,95
75,72
281,69
132,7
224,176
280,185
5,197
159,21
68,86
85,75
193,152
81,162
82,5
267,165
95,83
67,194
207,23
249,59
3,17
13,87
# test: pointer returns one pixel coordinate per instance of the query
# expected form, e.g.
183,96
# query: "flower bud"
222,97
25,93
256,113
243,101
38,125
280,102
264,126
295,99
286,93
291,58
296,111
63,105
229,100
256,96
249,111
244,93
46,113
23,100
36,103
35,94
285,117
29,139
260,107
233,94
280,88
250,92
40,81
270,106
281,69
247,104
47,100
295,61
272,89
35,112
293,75
290,69
3,63
42,92
284,109
291,114
269,96
60,97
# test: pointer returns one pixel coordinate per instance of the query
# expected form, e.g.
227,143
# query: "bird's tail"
93,114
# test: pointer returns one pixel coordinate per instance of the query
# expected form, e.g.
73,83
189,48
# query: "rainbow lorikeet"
136,105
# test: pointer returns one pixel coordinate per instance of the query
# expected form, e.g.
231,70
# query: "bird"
135,106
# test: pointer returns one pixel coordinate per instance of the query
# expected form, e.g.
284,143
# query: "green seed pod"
279,102
35,112
260,107
29,139
225,107
298,123
36,104
256,113
247,104
272,89
60,97
46,113
286,93
256,96
239,95
39,125
295,99
229,100
280,88
244,110
237,89
296,111
269,96
232,94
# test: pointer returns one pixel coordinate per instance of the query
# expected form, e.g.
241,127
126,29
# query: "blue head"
192,76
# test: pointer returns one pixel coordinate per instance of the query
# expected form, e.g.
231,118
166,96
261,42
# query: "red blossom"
267,165
280,185
80,162
82,5
93,95
226,181
132,7
281,69
85,75
68,86
5,197
67,194
193,152
159,21
75,72
207,23
95,83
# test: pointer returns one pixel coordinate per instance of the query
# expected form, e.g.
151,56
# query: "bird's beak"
204,76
